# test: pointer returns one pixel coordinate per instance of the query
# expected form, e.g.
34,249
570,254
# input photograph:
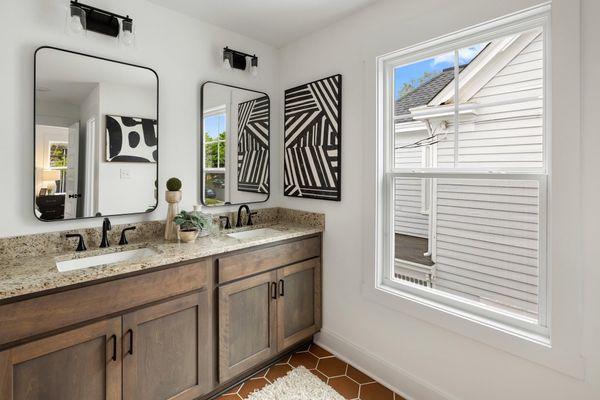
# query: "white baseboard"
389,375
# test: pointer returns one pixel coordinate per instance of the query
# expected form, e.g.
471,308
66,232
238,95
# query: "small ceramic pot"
188,235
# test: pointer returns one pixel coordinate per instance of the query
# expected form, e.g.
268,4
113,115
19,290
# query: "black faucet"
239,223
227,222
106,226
81,244
123,240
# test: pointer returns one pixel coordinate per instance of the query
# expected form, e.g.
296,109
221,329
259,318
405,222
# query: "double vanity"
138,316
155,319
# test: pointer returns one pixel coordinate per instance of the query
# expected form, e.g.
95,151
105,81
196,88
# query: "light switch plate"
125,174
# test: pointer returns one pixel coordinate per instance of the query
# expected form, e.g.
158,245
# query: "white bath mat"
298,384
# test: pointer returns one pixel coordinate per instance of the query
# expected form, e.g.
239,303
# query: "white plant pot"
188,236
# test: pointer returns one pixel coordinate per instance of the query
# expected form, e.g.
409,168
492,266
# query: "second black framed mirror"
235,154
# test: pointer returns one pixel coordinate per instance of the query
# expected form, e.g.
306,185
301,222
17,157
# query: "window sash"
540,325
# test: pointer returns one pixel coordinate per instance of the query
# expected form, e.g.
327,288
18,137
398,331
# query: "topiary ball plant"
173,185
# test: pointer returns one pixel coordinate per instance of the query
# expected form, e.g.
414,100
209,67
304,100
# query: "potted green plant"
190,224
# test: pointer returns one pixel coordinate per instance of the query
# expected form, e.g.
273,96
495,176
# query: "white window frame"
386,65
561,351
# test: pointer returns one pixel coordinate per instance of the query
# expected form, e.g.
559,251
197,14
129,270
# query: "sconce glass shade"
76,20
127,35
254,66
227,59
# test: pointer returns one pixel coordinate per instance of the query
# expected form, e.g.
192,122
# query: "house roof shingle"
423,94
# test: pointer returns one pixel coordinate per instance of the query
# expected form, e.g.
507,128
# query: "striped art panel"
312,167
253,146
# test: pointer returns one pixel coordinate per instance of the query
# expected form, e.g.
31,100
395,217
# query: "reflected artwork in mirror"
95,136
235,151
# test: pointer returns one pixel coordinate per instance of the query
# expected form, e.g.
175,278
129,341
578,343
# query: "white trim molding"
389,375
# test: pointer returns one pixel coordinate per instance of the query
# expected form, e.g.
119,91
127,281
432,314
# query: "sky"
214,124
435,65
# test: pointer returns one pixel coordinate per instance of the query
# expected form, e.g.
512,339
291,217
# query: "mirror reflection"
235,145
96,136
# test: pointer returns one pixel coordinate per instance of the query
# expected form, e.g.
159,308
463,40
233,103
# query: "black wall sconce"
82,17
239,60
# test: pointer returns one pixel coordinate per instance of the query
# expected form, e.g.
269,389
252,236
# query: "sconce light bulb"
226,64
76,24
254,70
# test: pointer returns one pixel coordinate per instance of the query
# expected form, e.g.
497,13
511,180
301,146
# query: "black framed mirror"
234,146
95,136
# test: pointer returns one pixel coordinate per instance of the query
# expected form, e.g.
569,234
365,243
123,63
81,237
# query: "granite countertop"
21,276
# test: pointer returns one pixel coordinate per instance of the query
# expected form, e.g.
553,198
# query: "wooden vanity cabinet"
261,314
247,324
298,302
83,363
165,350
179,332
157,351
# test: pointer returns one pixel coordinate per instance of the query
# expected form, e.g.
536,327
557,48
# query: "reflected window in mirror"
215,155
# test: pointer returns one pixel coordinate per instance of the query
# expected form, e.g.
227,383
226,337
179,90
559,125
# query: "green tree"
215,150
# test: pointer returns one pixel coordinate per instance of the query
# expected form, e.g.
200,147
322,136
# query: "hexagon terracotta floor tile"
348,381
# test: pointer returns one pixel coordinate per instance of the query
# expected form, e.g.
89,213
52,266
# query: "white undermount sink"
103,259
256,233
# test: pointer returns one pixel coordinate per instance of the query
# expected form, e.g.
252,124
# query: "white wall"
54,113
183,51
425,360
116,194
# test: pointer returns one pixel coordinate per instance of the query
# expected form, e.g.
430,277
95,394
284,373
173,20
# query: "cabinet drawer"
28,318
252,262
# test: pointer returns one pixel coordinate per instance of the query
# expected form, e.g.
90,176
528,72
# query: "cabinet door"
247,312
165,352
299,302
83,363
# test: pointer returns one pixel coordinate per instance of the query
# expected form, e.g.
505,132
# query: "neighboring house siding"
504,135
487,241
408,219
487,233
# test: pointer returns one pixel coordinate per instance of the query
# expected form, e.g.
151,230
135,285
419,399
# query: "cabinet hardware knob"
281,287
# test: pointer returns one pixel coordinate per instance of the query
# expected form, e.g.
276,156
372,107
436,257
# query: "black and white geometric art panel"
253,145
131,139
312,154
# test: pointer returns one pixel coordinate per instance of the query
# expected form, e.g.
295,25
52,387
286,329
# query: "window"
215,154
464,185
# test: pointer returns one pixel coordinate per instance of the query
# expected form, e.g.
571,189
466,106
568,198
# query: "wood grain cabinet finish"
165,354
83,363
263,315
247,312
29,317
298,302
236,266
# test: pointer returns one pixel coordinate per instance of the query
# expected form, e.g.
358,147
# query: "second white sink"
256,233
103,259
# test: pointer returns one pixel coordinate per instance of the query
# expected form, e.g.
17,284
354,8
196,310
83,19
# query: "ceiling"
275,22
